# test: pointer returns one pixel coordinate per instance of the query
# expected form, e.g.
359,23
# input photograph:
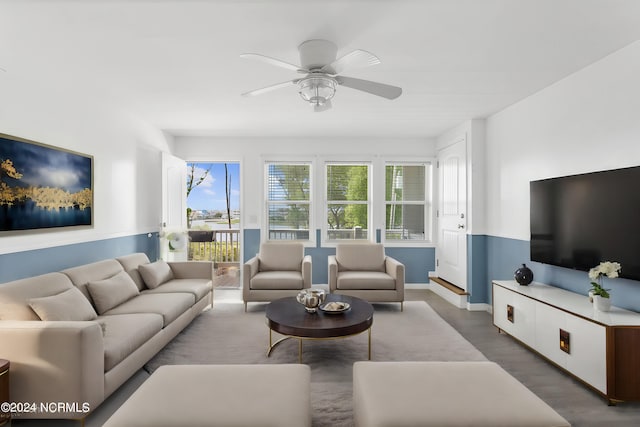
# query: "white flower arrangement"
176,239
607,268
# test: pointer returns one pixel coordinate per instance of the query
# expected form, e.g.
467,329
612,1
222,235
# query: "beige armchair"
279,270
364,271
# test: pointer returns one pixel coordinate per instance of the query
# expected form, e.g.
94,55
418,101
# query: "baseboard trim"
479,307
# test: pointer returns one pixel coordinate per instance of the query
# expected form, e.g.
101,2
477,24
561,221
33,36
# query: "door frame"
174,203
463,279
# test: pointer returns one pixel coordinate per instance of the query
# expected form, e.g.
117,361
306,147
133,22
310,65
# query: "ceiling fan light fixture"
323,73
317,90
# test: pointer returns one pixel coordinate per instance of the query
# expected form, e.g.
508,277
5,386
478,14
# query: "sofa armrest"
192,269
55,361
333,273
249,269
306,271
395,269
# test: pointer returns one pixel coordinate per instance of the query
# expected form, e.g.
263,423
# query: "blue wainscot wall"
505,255
477,277
490,258
417,261
19,265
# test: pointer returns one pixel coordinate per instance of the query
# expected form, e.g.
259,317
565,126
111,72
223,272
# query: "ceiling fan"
323,73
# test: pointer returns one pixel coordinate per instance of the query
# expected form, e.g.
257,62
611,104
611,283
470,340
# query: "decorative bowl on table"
335,307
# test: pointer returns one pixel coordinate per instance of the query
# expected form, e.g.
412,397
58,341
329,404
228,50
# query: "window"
407,213
288,200
347,201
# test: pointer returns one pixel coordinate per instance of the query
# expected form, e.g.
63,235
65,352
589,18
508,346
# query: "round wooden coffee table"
288,317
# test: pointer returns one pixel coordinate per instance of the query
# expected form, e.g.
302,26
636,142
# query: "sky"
43,166
210,194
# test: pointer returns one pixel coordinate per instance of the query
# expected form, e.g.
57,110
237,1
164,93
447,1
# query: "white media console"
600,349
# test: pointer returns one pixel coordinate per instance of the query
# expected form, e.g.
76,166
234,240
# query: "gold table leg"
272,346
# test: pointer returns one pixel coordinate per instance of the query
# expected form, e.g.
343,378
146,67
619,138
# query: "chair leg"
245,306
401,305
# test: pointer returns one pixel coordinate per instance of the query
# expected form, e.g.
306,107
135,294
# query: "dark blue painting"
43,186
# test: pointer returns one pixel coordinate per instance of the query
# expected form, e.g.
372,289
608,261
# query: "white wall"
126,159
253,152
587,122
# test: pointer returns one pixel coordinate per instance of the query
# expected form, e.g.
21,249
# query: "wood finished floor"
578,404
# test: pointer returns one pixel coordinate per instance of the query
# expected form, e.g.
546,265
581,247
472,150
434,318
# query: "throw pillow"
68,305
109,293
155,274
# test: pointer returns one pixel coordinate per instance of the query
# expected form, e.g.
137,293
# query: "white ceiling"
175,64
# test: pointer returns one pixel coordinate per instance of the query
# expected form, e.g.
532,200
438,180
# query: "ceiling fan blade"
270,88
356,59
273,61
374,88
323,107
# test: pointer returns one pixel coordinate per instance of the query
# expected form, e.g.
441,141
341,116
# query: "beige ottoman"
396,394
220,395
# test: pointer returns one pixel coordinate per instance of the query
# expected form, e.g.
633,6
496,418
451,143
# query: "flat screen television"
578,221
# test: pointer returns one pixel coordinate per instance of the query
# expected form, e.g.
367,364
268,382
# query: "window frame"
326,241
310,202
429,217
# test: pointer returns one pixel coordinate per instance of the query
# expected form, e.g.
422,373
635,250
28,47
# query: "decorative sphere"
523,275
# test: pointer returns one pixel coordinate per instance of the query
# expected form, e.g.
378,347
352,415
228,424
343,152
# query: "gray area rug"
228,335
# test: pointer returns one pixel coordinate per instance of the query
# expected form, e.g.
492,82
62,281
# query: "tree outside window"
347,201
288,201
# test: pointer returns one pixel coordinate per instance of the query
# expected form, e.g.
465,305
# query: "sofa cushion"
473,393
360,257
169,305
279,256
82,275
277,280
67,305
220,396
111,292
156,273
15,296
130,264
125,333
198,287
365,280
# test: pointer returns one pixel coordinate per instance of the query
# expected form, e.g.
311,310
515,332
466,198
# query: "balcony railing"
221,246
404,234
335,234
355,233
288,234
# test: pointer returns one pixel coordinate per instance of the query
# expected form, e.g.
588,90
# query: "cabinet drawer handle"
510,313
565,341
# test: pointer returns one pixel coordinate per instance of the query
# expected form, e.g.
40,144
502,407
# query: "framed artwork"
43,187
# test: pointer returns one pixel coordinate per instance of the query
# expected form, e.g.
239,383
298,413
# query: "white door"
451,251
174,207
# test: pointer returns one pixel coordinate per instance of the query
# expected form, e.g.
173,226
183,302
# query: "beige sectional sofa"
75,336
